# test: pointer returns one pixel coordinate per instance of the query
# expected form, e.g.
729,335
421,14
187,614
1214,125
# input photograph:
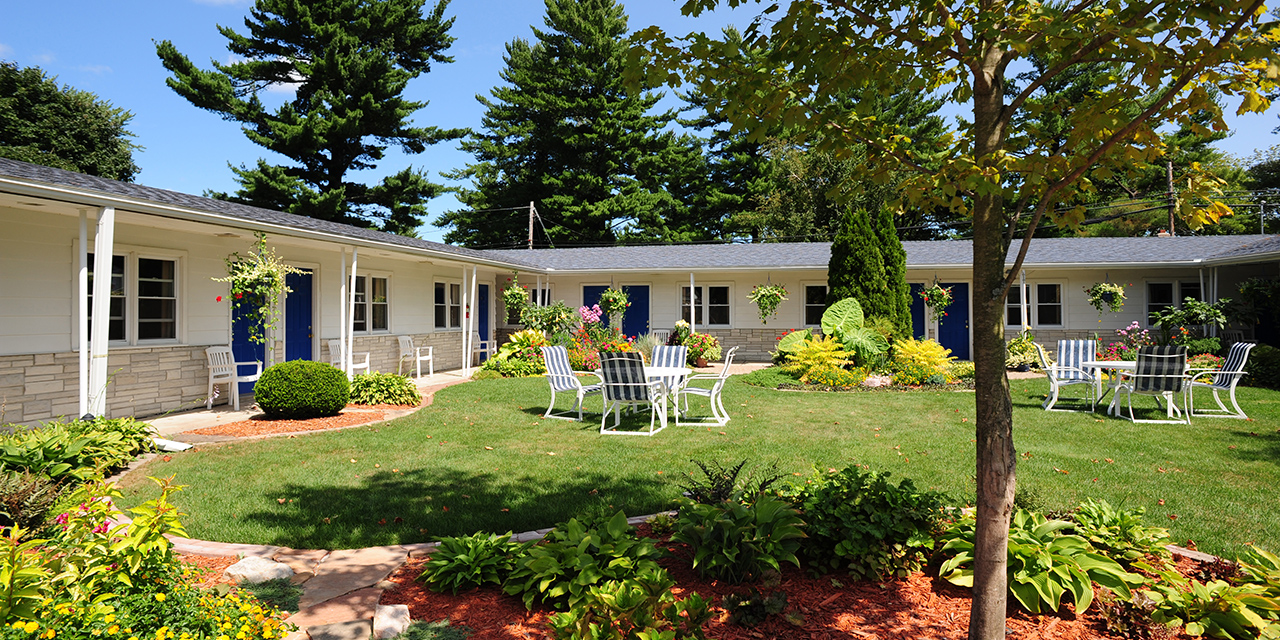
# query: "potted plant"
514,298
1105,296
937,298
767,297
256,282
703,347
1022,351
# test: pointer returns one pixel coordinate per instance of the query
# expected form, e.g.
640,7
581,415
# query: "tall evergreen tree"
62,127
895,273
857,268
565,133
349,62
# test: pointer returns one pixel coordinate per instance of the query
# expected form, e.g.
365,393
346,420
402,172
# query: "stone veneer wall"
753,345
384,349
143,381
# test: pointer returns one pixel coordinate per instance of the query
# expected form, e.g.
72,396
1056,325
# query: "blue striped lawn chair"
1160,372
1224,379
665,356
562,378
1068,370
625,384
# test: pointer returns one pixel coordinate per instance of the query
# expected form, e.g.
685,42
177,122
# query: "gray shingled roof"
47,175
1188,250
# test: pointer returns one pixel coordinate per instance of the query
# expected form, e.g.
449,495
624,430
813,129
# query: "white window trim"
706,298
1033,302
131,255
1177,294
462,313
370,331
550,294
804,304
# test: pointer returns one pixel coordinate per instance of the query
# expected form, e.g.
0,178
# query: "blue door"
917,311
482,321
297,317
242,348
635,322
953,328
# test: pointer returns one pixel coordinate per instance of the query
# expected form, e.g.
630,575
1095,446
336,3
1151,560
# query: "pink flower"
102,528
61,519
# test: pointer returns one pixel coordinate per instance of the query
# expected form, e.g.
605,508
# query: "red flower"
218,299
239,295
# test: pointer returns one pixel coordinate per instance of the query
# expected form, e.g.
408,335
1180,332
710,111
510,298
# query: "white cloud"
5,49
96,69
43,58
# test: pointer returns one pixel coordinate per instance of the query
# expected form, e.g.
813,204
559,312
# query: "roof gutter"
73,196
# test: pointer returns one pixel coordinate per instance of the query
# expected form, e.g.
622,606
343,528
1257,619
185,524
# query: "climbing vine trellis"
256,282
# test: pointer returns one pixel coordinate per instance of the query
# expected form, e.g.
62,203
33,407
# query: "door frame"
316,294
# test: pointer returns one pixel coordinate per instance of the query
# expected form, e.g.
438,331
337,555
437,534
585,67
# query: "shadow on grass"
419,506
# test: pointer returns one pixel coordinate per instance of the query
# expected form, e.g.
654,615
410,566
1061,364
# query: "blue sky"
107,48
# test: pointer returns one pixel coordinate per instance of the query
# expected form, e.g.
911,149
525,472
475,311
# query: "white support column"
103,246
537,294
1022,297
471,319
693,301
462,328
342,308
83,311
351,316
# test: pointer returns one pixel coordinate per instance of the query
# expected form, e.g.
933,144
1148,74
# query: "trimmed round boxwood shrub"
302,389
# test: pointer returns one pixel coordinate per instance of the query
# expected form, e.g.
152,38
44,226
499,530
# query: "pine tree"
857,268
895,273
565,133
43,123
349,62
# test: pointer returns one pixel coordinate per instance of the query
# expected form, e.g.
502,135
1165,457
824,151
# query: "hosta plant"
1045,563
733,541
463,562
384,388
1215,609
1120,534
637,608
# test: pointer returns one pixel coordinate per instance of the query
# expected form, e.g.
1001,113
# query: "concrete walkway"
341,588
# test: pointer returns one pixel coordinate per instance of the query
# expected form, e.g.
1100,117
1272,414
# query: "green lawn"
481,458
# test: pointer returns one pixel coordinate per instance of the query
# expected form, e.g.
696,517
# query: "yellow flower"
50,633
160,598
113,629
111,617
31,626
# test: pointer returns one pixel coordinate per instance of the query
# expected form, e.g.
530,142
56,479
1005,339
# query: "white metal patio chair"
407,350
359,361
1068,370
1224,379
712,393
624,383
481,347
561,377
223,369
1160,373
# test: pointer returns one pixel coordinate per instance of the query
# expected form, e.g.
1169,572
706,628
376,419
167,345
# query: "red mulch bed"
209,570
916,607
259,425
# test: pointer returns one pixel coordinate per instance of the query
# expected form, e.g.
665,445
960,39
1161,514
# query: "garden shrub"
384,388
1044,563
301,389
733,541
860,521
702,345
76,450
1263,367
1120,534
845,322
25,498
577,555
834,377
637,608
463,562
753,608
818,355
1215,608
961,370
769,377
916,361
719,483
1197,346
486,374
521,356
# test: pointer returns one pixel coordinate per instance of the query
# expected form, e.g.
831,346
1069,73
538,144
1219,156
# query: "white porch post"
1022,297
693,300
83,311
342,310
537,293
471,318
466,337
351,316
103,246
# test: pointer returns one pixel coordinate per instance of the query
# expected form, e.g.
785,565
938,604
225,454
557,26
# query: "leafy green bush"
819,355
1215,608
719,483
1044,563
961,370
520,356
861,521
916,361
734,541
25,498
1119,533
845,322
575,556
464,562
702,345
301,389
486,374
76,450
1197,346
661,524
1263,367
788,343
384,388
637,608
752,609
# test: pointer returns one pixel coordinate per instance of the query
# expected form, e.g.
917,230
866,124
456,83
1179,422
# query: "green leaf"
793,340
841,317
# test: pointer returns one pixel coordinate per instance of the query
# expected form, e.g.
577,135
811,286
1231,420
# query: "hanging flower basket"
937,298
767,297
257,282
1105,296
614,303
514,299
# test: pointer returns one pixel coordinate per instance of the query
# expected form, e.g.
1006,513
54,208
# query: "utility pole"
1172,200
531,224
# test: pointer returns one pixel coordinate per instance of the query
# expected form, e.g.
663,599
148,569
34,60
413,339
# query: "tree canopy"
348,62
564,132
1004,173
59,126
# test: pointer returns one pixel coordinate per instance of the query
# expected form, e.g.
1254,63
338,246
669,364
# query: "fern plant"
816,355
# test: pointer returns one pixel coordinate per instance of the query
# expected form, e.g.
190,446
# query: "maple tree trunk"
996,458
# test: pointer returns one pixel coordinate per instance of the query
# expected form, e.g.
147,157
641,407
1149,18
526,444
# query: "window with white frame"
373,306
448,305
1160,296
815,302
540,297
144,289
711,309
1044,305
